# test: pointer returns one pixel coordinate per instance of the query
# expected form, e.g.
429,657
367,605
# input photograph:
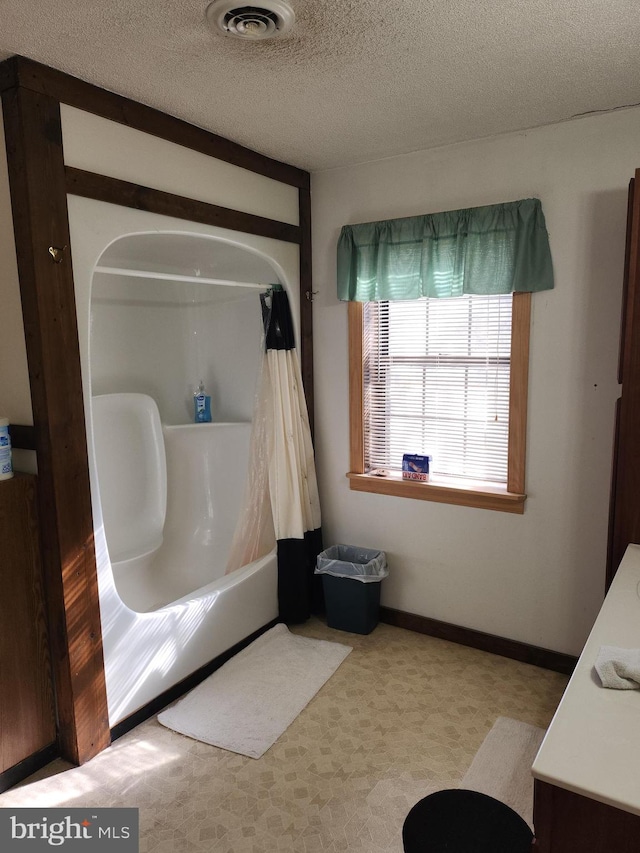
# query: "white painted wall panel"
98,145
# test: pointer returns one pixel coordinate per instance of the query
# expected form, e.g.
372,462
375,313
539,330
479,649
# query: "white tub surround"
170,498
161,305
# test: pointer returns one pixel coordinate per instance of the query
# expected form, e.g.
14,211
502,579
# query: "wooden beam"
116,191
306,302
38,193
84,96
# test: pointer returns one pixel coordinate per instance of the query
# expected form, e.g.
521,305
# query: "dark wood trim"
545,658
27,707
126,194
23,437
156,705
19,71
624,507
567,822
19,772
306,302
38,193
8,74
625,278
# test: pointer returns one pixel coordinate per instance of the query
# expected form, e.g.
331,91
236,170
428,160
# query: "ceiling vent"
270,19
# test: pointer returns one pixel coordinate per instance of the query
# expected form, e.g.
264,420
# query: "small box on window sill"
415,467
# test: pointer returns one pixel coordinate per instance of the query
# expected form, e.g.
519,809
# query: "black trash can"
351,578
461,821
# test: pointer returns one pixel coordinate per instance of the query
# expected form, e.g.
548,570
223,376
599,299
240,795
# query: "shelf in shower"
205,425
187,279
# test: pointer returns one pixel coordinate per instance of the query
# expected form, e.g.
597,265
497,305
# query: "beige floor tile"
403,716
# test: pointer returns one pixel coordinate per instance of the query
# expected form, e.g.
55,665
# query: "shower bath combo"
161,305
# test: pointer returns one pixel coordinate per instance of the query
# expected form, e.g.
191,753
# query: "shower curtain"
282,503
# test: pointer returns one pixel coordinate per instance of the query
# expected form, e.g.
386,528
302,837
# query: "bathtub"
167,608
170,609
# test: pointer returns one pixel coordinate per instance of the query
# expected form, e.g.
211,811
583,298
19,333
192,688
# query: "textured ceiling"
355,80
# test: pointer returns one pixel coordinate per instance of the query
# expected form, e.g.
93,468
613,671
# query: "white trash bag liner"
348,561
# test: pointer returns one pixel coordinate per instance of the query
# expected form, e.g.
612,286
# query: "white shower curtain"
292,474
282,502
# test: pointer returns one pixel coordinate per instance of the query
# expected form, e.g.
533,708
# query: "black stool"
460,821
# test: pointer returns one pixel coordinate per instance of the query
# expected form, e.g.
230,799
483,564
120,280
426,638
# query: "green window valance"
499,248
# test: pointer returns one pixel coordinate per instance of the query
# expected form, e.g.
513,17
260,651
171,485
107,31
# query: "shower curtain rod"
190,279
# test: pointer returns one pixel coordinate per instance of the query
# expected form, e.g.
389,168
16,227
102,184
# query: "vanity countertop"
592,746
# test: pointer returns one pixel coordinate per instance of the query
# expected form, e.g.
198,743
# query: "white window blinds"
436,381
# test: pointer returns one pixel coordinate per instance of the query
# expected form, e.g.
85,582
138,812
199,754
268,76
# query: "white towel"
619,668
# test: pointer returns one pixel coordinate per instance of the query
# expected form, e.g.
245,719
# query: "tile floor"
403,716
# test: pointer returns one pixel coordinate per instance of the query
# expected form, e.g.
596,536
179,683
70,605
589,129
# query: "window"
446,377
439,312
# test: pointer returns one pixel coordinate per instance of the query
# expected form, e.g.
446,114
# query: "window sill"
486,496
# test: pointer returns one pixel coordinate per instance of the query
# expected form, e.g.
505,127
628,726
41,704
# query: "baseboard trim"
545,658
21,771
184,686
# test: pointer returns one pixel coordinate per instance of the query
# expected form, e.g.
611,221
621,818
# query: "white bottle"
6,469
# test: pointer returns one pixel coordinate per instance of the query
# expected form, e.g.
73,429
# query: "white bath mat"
501,767
250,701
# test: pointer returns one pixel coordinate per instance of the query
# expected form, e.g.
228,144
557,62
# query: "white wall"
108,148
537,578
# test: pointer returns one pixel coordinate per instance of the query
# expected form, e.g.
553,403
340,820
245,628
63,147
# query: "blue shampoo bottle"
201,405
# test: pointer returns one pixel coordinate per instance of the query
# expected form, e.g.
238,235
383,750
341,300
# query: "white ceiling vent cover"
271,18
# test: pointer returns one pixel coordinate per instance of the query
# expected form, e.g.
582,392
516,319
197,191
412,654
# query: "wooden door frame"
39,183
624,508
